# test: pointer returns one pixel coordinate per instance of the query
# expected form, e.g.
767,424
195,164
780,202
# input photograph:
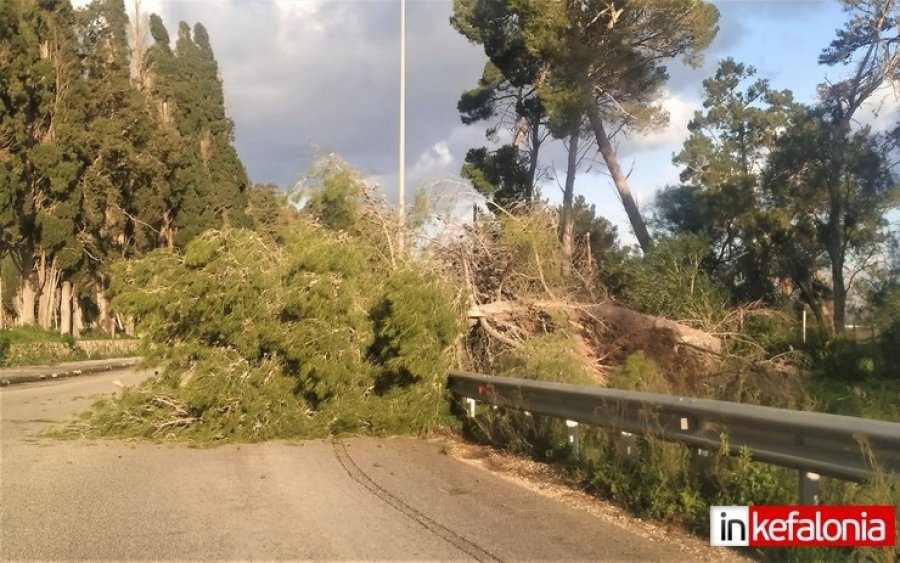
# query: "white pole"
402,172
804,325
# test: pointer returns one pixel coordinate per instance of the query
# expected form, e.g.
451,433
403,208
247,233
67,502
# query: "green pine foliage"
670,282
307,333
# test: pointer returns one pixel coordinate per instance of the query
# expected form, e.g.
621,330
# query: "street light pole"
402,171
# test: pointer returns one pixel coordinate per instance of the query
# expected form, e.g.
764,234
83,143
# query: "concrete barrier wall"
29,353
110,348
34,353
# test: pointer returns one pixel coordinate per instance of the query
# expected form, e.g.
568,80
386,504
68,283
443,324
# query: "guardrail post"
701,460
809,487
572,430
470,407
627,444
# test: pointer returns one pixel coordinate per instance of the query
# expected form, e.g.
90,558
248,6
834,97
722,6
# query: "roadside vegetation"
33,346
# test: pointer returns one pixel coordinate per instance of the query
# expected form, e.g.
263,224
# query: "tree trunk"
532,165
26,301
167,232
621,318
816,306
65,308
834,237
77,316
567,223
48,276
105,321
519,130
619,179
138,31
840,295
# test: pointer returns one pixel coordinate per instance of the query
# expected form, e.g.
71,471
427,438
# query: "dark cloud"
324,76
308,76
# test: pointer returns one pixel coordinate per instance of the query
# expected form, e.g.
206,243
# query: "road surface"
354,499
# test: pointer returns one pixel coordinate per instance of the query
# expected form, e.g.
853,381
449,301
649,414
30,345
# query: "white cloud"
882,111
680,110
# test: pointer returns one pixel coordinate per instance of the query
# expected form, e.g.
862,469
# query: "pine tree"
592,61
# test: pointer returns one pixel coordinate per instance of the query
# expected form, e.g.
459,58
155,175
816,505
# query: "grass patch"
871,397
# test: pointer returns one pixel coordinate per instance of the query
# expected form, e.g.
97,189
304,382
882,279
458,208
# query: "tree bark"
619,179
167,231
105,321
567,223
48,276
77,316
533,163
138,30
840,294
65,308
622,318
26,301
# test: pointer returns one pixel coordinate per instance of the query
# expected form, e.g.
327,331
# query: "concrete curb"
70,369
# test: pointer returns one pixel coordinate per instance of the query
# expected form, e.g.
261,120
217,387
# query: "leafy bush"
5,341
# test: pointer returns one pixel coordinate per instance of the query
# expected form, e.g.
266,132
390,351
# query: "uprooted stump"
613,333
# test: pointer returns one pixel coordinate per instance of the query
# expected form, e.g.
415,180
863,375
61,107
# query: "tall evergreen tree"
186,85
870,43
513,106
117,220
39,128
722,160
596,60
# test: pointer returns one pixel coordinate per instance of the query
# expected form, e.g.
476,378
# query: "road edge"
45,373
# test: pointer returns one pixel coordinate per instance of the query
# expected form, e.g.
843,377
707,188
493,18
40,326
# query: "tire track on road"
466,546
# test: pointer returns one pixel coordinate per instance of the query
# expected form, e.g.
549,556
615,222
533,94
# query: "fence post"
809,487
572,430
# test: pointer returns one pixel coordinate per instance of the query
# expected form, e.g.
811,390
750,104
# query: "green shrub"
848,360
670,282
546,357
5,341
33,345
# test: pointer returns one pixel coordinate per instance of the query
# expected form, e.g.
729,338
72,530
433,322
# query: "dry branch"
620,319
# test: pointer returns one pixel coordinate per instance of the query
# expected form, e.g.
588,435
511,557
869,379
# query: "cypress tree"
119,217
39,126
186,86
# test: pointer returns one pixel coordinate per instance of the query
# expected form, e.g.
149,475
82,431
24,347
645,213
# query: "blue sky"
307,77
781,39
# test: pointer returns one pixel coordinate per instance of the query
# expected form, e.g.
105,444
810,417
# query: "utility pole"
401,191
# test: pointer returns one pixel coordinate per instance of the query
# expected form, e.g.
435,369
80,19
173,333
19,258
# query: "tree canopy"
98,165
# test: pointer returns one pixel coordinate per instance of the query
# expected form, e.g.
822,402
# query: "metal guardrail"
814,443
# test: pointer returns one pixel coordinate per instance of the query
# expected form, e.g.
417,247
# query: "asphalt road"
354,499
